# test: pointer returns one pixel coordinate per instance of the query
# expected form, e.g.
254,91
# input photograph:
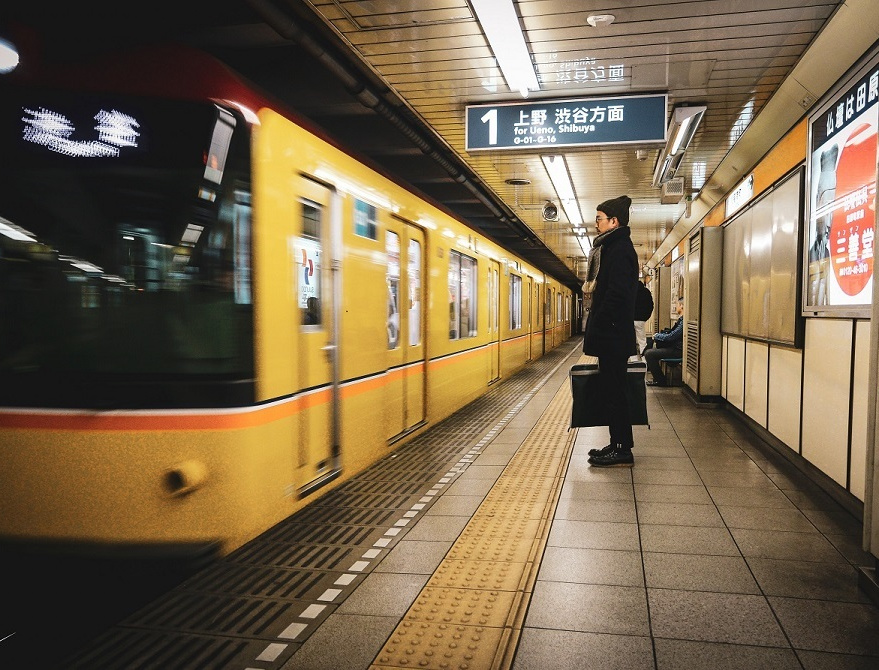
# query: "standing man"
610,329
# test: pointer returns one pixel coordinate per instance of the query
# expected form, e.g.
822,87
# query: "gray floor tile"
786,545
479,470
364,637
749,496
414,557
672,493
714,617
591,566
437,528
575,509
679,514
686,655
821,625
850,547
594,535
688,540
621,610
688,572
807,579
820,660
570,650
653,476
811,499
755,478
837,522
452,505
758,518
384,594
597,490
470,486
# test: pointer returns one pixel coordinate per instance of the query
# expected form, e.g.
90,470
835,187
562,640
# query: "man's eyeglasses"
599,219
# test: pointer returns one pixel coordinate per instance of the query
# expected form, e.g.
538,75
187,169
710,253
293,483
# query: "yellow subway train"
212,314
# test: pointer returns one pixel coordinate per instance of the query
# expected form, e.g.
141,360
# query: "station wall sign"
567,123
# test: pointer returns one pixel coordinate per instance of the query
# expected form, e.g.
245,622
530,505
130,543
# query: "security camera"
550,212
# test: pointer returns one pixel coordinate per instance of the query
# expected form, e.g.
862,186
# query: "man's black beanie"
618,207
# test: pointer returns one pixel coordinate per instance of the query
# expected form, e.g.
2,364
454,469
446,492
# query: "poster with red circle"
843,213
851,230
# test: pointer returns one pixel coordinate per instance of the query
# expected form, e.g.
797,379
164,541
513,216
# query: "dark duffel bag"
590,400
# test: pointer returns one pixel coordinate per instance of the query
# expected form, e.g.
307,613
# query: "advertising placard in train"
838,255
574,122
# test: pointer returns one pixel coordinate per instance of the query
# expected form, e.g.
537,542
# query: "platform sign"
567,123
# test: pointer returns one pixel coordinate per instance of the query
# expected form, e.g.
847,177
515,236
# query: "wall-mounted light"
682,127
501,26
561,182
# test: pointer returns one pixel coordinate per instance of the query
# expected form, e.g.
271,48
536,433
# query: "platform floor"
489,542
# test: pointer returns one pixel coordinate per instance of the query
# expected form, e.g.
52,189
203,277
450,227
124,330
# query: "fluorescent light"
501,26
682,127
561,182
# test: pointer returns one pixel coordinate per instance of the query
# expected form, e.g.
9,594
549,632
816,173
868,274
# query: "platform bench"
671,368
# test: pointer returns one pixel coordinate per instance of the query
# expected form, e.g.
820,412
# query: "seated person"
668,343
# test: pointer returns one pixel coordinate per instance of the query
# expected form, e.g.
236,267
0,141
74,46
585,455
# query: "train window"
129,282
558,307
392,247
414,293
515,302
308,257
462,295
364,220
547,308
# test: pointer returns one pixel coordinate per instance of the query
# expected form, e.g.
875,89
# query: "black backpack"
643,303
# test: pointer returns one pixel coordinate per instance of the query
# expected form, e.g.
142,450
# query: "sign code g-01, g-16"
575,122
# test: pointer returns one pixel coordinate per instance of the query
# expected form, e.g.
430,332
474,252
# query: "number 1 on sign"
490,117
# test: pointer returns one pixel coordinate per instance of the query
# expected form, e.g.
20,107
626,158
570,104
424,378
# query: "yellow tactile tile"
469,615
440,646
471,607
491,575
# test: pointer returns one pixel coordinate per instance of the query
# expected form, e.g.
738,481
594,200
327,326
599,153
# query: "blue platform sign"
577,122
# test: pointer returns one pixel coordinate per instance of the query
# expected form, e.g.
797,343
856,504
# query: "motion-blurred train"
210,314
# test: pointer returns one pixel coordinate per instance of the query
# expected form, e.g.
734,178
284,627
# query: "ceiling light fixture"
561,182
683,125
501,26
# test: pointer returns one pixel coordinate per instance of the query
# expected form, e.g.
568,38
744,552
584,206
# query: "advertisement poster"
842,201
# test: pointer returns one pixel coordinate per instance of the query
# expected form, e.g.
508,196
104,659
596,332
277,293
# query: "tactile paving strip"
469,615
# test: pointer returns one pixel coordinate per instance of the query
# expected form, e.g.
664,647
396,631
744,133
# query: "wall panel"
735,372
826,390
756,380
785,386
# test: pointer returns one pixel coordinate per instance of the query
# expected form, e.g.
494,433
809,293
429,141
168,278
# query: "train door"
405,388
494,334
317,365
529,317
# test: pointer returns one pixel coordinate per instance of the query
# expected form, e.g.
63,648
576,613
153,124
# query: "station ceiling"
391,79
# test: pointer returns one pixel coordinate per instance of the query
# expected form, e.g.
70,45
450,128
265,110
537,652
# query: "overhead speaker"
672,191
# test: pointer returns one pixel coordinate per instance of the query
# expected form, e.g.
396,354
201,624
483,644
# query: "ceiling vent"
672,191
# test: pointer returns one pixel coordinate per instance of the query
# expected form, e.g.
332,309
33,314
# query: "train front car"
126,336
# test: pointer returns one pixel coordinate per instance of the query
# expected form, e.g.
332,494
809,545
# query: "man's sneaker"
600,452
617,457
